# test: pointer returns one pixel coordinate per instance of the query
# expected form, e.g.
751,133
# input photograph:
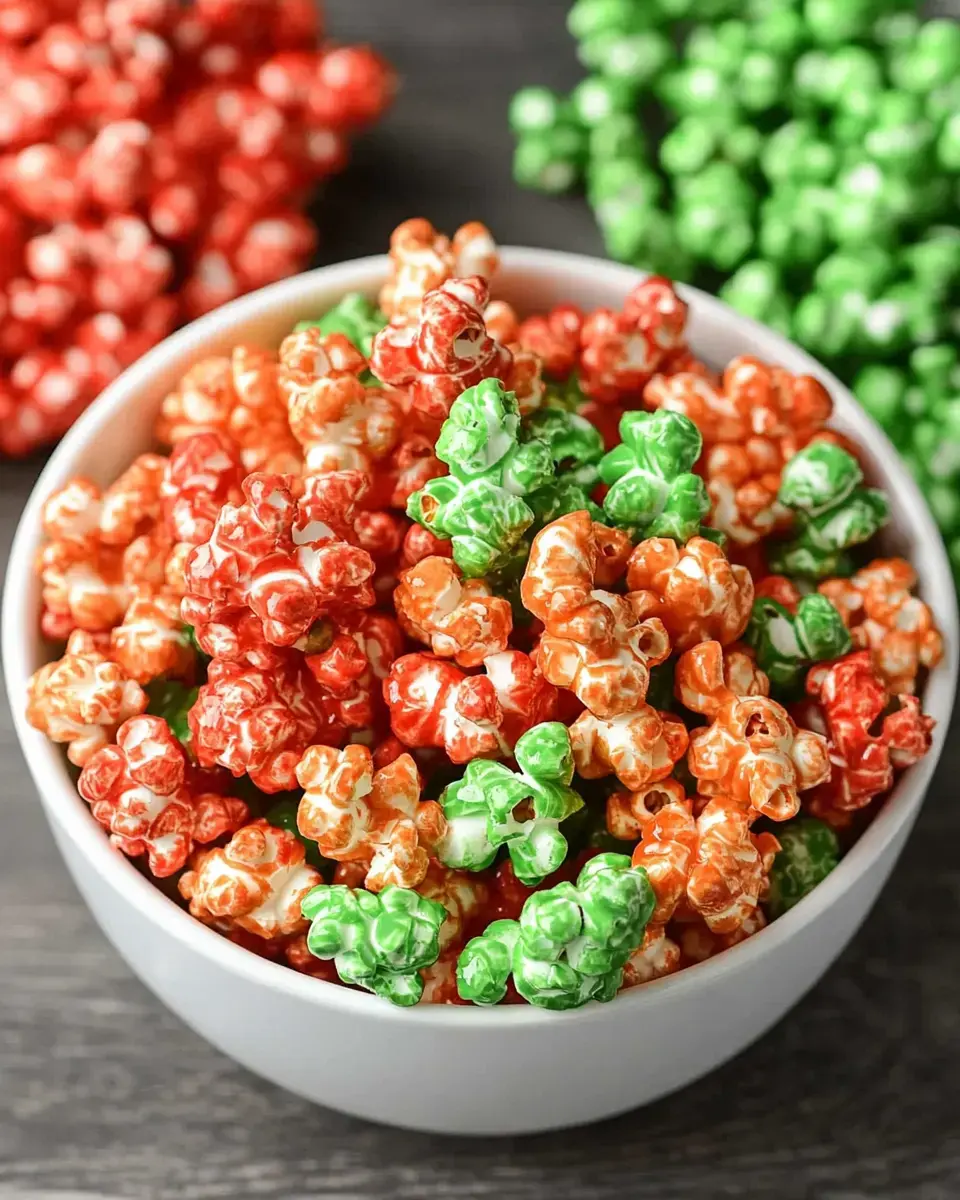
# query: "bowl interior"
119,424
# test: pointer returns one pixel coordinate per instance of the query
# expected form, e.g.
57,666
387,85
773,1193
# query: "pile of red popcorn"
271,678
155,161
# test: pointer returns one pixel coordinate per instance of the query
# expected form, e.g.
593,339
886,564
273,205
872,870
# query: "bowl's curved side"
224,991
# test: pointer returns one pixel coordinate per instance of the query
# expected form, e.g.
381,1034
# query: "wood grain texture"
855,1095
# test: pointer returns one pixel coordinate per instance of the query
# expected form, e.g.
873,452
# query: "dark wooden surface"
856,1094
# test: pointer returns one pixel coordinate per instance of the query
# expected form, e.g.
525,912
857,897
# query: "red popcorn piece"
639,747
202,474
82,698
352,88
752,751
444,350
151,641
883,616
693,589
850,698
433,703
593,642
421,259
420,543
458,619
357,814
340,423
259,722
287,559
137,791
255,883
620,351
554,338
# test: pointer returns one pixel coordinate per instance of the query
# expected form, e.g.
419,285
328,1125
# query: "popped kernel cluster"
427,662
156,160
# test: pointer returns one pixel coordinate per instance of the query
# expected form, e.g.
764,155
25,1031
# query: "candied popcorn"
433,703
82,699
287,558
340,423
883,617
258,722
639,747
432,582
457,618
354,813
422,259
255,883
696,592
751,751
444,350
593,642
138,791
621,351
851,698
151,640
238,396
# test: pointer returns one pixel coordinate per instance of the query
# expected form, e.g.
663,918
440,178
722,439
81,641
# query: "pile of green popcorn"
801,158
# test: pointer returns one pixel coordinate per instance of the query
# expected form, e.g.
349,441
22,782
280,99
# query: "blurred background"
102,1092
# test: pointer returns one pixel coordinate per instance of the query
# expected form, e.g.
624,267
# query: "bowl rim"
66,811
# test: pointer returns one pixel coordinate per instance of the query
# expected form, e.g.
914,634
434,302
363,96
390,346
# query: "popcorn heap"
417,683
155,161
809,165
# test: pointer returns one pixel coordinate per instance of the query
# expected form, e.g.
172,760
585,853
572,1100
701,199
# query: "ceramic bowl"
455,1069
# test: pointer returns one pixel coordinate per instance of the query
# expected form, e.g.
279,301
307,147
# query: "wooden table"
856,1094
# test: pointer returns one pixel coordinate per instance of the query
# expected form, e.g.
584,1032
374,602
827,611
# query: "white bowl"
451,1069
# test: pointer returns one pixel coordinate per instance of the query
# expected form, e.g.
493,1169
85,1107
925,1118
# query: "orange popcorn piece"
355,814
667,851
340,423
883,617
742,482
629,813
151,640
239,396
255,883
422,259
656,956
752,751
464,894
732,866
133,502
698,943
82,699
639,747
696,592
593,642
458,619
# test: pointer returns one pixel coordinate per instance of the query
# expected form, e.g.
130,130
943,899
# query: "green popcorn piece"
588,19
901,137
793,227
927,60
832,512
613,184
559,498
482,504
576,445
832,24
378,941
934,260
551,162
172,701
652,488
634,59
620,136
786,643
866,272
492,806
829,324
355,316
537,110
809,852
598,97
570,944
